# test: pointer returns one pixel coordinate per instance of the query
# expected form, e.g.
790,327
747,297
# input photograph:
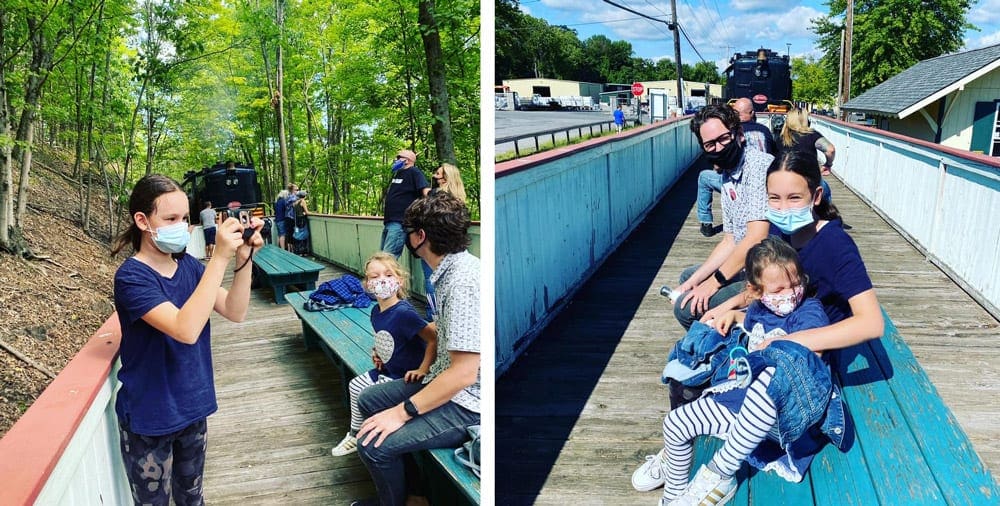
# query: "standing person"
280,209
447,178
164,298
619,118
208,218
289,216
301,209
408,184
709,180
405,345
797,135
404,417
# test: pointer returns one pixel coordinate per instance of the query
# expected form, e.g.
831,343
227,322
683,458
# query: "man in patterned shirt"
404,417
744,201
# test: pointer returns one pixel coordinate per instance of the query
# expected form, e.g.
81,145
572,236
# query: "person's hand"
228,238
377,360
712,314
415,375
824,170
380,425
255,241
724,322
699,297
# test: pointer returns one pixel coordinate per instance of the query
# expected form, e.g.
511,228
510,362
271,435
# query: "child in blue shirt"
742,412
405,344
164,298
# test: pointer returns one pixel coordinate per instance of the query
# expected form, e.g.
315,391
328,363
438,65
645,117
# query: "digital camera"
244,216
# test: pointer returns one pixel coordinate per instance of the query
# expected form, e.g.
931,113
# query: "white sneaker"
346,446
650,475
707,489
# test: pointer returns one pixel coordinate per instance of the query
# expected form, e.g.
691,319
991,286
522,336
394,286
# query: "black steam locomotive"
763,76
228,185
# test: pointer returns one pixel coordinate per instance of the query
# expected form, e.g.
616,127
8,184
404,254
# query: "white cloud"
763,5
983,41
986,12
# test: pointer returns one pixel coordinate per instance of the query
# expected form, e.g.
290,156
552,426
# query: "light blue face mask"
172,238
790,220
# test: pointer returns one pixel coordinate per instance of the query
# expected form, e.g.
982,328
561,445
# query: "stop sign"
637,89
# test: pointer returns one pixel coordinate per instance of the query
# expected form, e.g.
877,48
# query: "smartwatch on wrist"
410,408
721,278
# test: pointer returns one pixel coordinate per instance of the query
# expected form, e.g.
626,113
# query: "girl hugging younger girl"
405,344
747,412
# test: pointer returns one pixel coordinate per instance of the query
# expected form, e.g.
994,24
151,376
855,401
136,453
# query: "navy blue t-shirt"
166,384
835,269
406,186
396,339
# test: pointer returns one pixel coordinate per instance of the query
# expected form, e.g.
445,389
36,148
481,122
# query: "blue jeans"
393,238
683,314
444,427
708,181
429,290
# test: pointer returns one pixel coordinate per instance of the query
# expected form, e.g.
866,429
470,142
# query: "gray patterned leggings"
160,465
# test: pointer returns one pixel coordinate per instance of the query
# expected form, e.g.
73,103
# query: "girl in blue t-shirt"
164,298
405,344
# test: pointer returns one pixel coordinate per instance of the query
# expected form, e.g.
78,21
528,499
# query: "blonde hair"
796,122
388,260
453,181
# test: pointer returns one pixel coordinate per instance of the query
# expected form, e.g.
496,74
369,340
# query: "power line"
689,42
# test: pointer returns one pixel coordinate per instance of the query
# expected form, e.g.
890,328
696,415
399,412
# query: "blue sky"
718,28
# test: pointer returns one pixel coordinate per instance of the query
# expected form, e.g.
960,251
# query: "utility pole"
677,54
840,78
845,91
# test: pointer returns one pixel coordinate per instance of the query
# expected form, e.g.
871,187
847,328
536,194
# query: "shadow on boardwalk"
540,399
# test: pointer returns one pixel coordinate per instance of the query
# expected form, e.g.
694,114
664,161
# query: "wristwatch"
721,278
410,408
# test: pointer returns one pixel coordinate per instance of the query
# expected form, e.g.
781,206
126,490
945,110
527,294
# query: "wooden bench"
908,447
346,337
278,268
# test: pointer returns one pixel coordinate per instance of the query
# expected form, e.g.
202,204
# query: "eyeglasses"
410,230
720,141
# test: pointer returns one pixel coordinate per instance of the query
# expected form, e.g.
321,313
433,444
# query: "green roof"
925,82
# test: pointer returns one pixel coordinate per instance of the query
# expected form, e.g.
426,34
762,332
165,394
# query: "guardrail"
515,139
943,200
559,214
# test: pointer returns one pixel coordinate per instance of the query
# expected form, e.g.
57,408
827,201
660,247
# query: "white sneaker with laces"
650,475
707,489
346,446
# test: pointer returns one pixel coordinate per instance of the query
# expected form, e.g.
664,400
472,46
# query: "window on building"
995,149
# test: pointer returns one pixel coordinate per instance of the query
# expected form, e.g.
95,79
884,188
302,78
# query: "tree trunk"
278,100
410,115
41,64
443,140
6,169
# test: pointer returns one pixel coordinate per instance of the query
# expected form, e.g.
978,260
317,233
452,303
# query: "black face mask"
413,249
728,157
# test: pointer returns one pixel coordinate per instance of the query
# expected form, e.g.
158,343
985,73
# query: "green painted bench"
908,447
278,268
346,337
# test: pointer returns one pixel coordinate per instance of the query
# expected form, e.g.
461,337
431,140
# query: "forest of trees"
322,93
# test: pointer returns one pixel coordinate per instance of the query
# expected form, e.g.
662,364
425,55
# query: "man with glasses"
710,180
408,184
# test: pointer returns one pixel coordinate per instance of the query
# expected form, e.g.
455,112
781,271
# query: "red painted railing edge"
33,446
960,153
518,164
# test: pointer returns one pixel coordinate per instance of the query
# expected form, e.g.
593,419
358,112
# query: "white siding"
957,131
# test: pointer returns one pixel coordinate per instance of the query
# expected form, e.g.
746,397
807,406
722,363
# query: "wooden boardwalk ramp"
576,414
281,409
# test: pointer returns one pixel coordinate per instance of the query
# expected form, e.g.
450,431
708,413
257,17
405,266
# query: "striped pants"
743,431
356,385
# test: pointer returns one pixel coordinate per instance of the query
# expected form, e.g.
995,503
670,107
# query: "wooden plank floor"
576,414
280,411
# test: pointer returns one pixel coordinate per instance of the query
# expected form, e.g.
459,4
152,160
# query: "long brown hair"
807,166
142,200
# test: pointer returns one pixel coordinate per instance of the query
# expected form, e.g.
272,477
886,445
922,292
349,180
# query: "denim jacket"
695,358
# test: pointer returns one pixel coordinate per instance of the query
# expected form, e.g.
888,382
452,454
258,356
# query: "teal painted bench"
908,447
278,268
346,337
